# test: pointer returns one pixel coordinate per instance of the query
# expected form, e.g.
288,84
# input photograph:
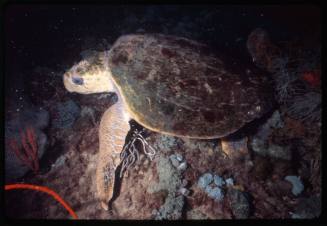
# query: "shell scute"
178,86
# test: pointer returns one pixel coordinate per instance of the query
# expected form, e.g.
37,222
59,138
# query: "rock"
205,180
219,181
182,166
166,143
158,194
184,191
274,122
235,148
179,157
195,144
214,193
296,183
308,208
59,162
261,144
174,160
88,112
37,117
195,214
41,118
65,114
141,195
99,102
171,209
262,167
185,183
271,150
169,177
281,152
239,204
229,182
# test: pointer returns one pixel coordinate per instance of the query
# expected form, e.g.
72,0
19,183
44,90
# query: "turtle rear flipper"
114,127
263,52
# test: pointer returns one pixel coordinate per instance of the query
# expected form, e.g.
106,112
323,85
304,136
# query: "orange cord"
43,189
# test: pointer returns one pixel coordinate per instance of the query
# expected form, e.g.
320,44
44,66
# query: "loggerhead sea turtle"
170,85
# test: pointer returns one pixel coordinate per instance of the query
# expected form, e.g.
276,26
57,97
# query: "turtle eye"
77,80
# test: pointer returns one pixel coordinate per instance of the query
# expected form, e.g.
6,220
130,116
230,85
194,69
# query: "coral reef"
296,183
170,181
308,208
295,68
261,145
34,118
239,203
229,182
174,185
167,143
171,209
214,185
235,148
65,114
300,96
88,112
205,180
29,153
214,193
306,107
219,181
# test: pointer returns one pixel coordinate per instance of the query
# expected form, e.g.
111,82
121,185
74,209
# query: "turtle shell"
177,86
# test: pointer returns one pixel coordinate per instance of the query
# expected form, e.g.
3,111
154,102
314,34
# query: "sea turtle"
170,85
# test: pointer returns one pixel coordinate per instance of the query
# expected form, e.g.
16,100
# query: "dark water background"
53,35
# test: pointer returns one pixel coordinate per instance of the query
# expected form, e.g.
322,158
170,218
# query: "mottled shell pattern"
177,86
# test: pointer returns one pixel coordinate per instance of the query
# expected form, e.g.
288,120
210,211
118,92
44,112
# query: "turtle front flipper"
114,127
264,53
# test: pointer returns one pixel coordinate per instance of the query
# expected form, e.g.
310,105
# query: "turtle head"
89,76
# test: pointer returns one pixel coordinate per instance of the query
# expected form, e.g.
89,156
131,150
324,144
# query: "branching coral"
29,153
